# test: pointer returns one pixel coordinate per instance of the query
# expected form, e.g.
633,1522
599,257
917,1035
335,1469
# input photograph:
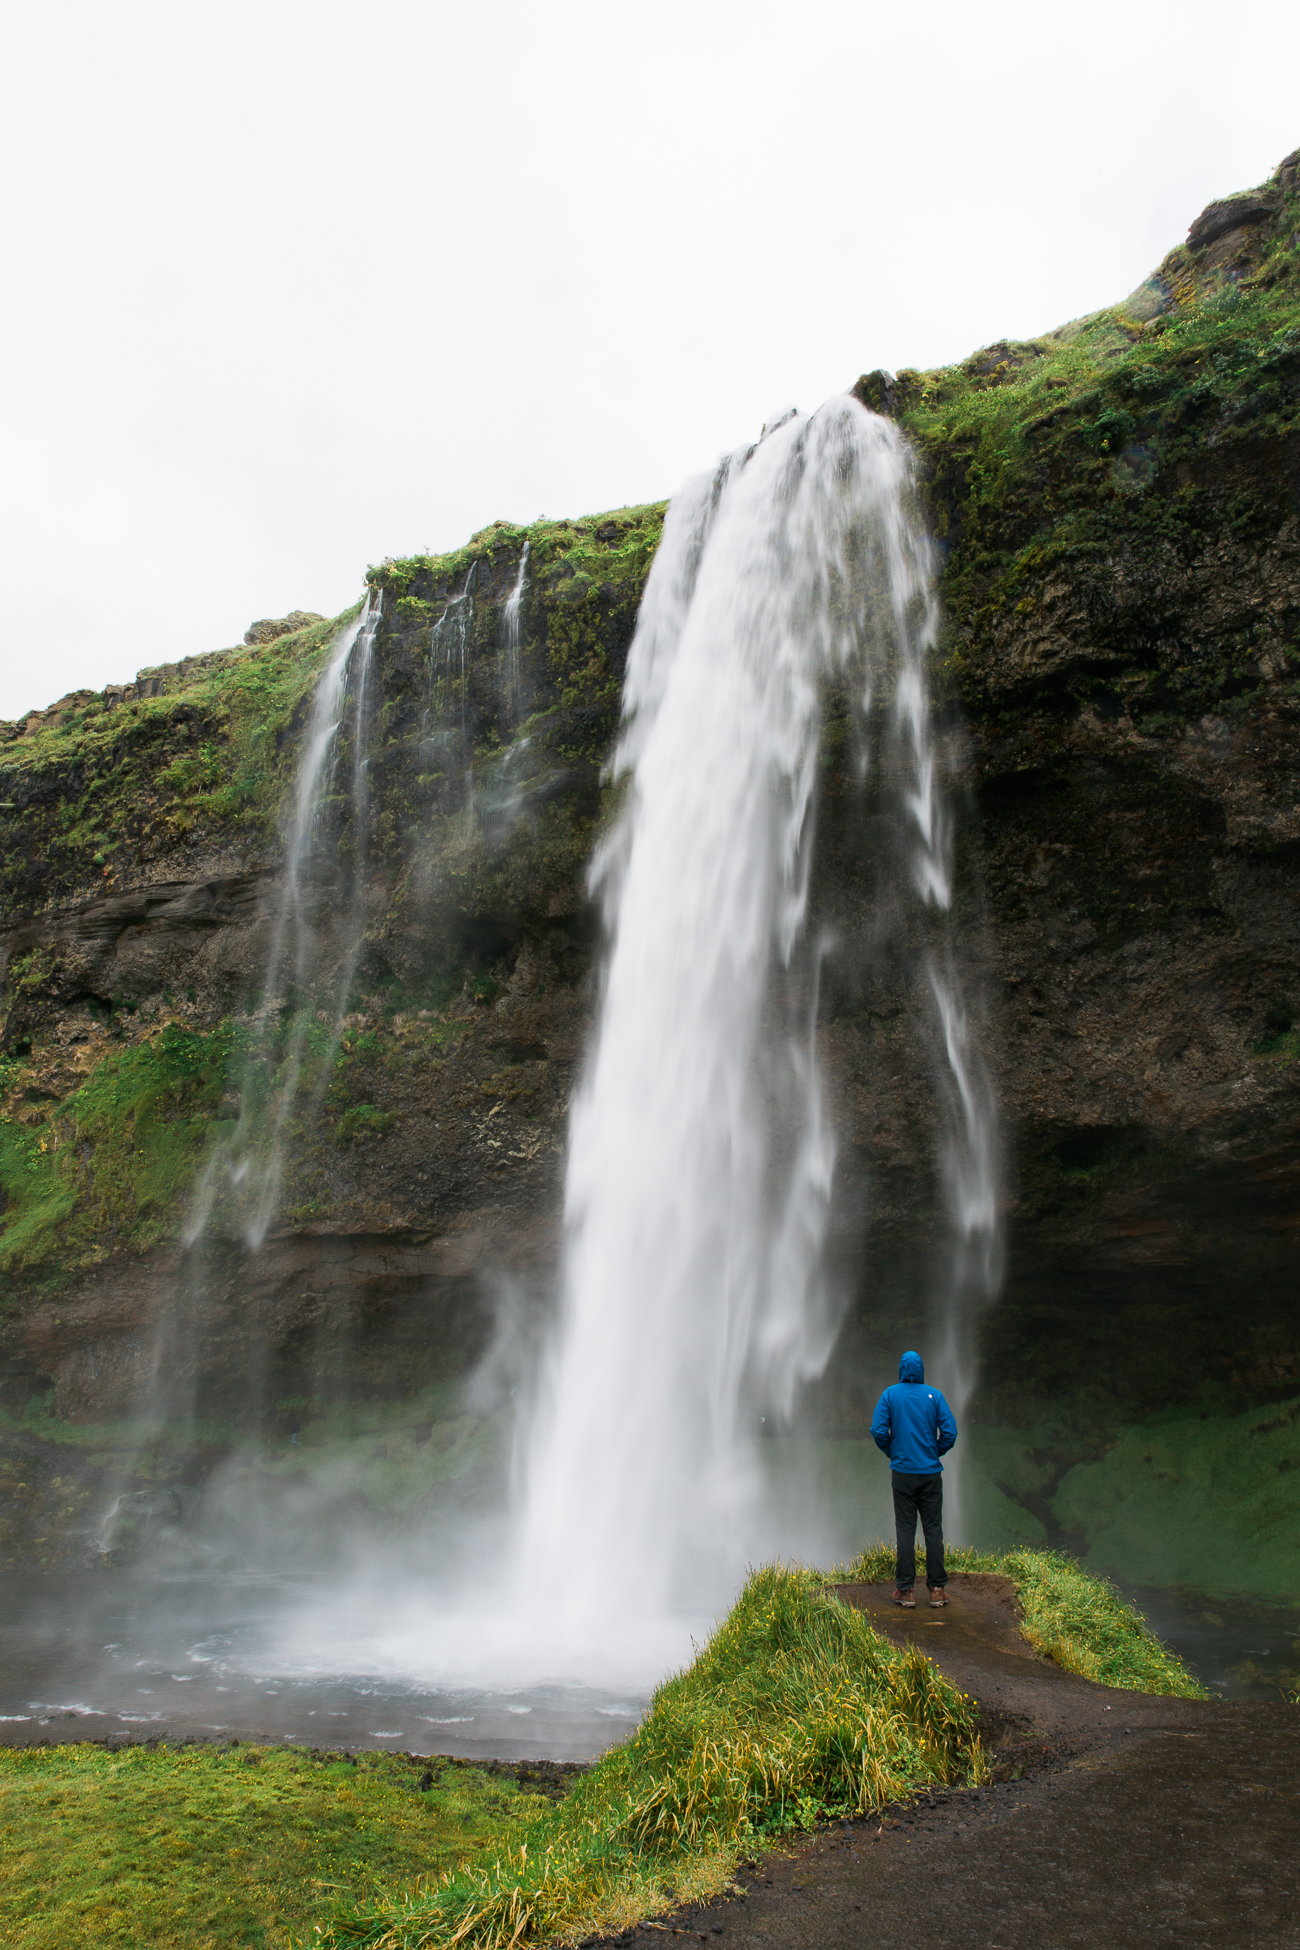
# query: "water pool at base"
1238,1651
105,1657
100,1657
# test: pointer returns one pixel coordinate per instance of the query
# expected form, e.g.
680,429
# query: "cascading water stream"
251,1165
242,1181
511,631
447,645
695,1298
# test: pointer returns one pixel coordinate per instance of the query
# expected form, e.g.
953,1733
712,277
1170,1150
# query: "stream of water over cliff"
248,1170
696,1297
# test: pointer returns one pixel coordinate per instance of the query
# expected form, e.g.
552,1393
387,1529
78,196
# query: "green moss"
111,1163
30,971
209,754
212,1848
1282,1047
363,1120
1208,1501
1097,438
38,1202
548,712
613,549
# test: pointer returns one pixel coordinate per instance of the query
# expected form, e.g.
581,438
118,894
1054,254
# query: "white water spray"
701,1162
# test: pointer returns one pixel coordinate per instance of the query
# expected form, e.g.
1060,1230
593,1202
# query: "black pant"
919,1496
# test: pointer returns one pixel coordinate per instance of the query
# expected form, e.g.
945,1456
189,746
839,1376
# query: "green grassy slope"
210,1848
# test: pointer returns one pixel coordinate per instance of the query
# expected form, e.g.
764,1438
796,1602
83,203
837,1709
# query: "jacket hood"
911,1368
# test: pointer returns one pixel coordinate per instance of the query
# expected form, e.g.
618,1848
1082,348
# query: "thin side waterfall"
971,1168
701,1159
249,1169
447,646
511,621
970,1160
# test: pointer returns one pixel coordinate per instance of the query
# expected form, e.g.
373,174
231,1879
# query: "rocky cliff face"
1117,511
150,824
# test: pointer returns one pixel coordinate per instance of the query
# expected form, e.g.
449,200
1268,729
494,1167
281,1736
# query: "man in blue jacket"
913,1425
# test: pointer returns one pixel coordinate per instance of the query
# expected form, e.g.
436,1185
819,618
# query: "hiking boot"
938,1596
907,1599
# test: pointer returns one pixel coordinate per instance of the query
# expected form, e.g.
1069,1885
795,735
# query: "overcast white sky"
294,284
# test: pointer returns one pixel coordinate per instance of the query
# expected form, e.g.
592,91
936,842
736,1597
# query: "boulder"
271,627
1233,213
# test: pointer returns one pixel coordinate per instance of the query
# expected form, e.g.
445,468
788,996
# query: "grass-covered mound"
220,1848
1079,1621
794,1708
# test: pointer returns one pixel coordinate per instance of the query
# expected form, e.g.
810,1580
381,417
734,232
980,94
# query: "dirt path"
1030,1708
1136,1820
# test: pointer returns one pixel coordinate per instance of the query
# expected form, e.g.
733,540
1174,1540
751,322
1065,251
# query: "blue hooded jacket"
913,1424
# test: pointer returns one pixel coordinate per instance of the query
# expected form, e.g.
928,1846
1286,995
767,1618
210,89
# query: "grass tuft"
794,1709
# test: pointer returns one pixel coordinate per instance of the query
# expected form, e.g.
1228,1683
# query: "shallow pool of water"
106,1656
1239,1651
100,1657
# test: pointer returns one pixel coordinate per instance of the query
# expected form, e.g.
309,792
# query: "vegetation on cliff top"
1146,431
579,557
205,748
210,752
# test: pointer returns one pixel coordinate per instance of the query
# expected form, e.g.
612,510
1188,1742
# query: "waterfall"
511,621
447,644
701,1159
249,1167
